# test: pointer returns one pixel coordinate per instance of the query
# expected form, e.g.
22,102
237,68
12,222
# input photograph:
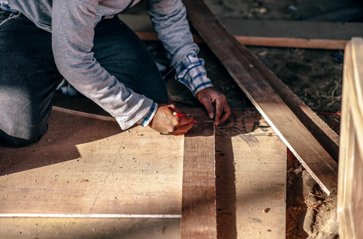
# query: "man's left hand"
209,97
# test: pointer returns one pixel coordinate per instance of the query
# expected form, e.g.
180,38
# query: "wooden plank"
247,72
323,44
79,113
65,228
350,190
254,158
268,28
199,193
268,41
293,29
260,169
320,130
315,35
89,167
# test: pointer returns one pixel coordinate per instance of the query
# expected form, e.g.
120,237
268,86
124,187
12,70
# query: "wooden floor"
87,179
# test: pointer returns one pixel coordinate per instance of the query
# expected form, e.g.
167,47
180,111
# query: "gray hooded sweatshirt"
72,23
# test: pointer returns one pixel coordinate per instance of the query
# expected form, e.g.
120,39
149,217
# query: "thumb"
209,107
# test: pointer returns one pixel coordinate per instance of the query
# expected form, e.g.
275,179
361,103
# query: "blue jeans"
29,76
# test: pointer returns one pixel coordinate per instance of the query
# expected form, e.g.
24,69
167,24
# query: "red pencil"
180,115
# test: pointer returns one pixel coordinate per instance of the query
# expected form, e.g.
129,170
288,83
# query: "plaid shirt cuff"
145,121
4,6
191,72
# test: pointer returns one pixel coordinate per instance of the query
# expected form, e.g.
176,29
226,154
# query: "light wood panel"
88,166
260,161
66,228
248,72
350,191
199,192
251,156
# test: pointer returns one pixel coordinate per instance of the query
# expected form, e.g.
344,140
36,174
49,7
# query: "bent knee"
18,136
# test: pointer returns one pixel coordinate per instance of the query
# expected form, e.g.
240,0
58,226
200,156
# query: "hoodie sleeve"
170,23
73,23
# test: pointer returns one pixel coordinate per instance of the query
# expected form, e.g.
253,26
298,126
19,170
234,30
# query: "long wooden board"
320,130
253,157
247,72
293,29
260,184
199,192
273,33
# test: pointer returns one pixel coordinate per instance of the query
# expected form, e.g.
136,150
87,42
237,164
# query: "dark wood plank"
252,76
273,33
268,28
293,29
199,191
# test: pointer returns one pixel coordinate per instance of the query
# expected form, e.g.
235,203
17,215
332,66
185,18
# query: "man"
44,41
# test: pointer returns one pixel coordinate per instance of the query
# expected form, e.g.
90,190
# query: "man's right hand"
166,122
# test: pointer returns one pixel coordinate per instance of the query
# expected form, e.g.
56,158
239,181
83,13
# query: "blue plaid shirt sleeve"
191,72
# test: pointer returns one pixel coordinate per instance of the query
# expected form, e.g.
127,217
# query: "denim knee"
27,137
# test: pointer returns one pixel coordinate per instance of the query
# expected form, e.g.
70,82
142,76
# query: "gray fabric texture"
29,75
72,24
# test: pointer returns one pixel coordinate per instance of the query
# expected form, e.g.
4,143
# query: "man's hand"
166,122
210,96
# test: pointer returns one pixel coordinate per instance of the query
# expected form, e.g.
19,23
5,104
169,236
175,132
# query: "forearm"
72,39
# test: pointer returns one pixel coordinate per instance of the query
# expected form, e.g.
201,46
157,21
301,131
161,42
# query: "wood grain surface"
87,166
260,169
293,29
350,190
292,34
66,228
247,72
273,33
199,192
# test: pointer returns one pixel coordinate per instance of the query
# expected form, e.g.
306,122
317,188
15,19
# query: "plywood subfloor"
90,168
251,178
89,228
87,166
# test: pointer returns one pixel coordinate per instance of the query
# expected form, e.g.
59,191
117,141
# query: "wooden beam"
252,77
79,113
272,33
268,41
199,192
293,29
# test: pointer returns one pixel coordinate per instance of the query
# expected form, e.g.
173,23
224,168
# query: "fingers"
185,120
226,114
208,105
182,129
182,124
